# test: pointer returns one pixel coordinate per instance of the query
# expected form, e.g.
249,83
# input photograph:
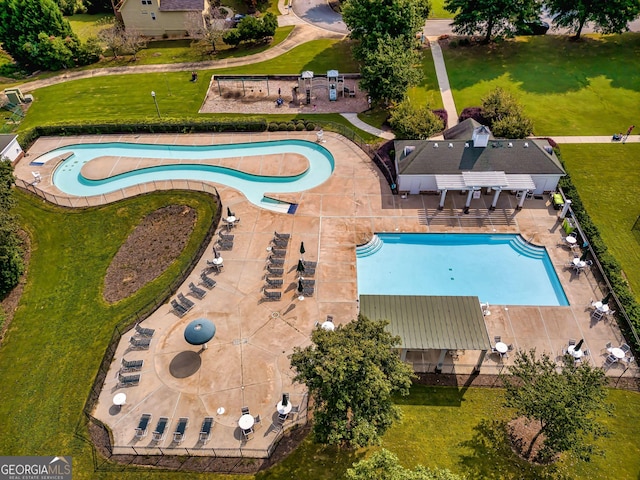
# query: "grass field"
85,25
607,177
438,11
590,87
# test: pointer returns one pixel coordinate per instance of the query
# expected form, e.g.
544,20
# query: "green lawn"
607,177
438,11
428,90
590,87
85,25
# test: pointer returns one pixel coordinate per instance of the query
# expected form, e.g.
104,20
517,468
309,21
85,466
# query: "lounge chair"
225,245
216,266
245,410
197,291
178,309
178,434
274,282
278,253
309,272
161,427
309,264
625,348
131,366
610,360
282,235
307,282
128,380
144,332
275,260
205,431
186,303
207,281
141,343
280,242
225,237
308,291
269,295
276,272
143,425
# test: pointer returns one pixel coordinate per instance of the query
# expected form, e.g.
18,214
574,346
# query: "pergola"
475,181
445,323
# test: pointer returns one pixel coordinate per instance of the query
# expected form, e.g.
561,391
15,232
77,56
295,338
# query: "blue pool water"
68,178
499,269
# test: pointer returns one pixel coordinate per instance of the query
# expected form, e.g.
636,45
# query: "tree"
371,21
133,41
11,263
413,122
384,465
566,403
607,16
209,31
490,17
505,115
22,24
113,37
351,373
252,29
390,69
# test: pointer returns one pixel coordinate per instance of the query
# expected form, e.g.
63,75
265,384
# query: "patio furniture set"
141,340
159,433
500,348
615,355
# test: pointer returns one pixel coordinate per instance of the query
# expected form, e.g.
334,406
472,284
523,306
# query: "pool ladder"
369,248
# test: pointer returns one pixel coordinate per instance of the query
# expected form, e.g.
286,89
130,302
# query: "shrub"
300,127
291,127
273,127
442,114
414,122
283,126
475,113
310,126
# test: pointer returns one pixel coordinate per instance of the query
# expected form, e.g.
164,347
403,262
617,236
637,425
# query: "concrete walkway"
443,82
354,120
594,139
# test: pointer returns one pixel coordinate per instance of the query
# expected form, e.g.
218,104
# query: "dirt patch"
154,245
526,441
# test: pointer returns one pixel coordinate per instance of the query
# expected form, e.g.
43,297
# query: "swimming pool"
498,269
68,177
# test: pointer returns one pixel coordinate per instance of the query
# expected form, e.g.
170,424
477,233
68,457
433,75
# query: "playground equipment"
333,82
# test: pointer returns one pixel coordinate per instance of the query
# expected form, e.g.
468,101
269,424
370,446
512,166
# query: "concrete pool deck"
246,363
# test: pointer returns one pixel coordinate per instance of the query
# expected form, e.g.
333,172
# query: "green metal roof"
429,322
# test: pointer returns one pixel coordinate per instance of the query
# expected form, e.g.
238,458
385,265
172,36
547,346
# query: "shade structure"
199,332
584,255
229,213
579,345
302,250
300,267
606,299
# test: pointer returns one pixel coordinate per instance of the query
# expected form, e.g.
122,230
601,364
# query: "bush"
505,115
283,127
413,122
300,127
290,127
273,127
442,114
475,113
310,126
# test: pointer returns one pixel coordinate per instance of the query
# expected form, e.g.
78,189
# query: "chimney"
481,136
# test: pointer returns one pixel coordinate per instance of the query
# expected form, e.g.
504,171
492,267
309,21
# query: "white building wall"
13,151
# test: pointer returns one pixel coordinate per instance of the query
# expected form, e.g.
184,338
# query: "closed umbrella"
229,214
285,400
578,346
584,256
606,299
300,267
300,286
215,252
302,250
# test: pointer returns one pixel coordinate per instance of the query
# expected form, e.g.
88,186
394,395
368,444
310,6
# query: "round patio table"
283,410
119,399
617,352
218,261
502,347
246,421
575,353
328,326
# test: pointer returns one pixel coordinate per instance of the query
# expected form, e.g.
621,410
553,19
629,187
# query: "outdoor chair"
257,421
610,360
275,260
295,409
572,342
270,295
131,366
308,282
178,434
278,253
276,272
282,417
330,318
625,348
510,347
207,281
144,332
197,291
224,245
586,352
205,431
247,434
281,235
143,425
226,237
161,427
178,309
216,266
597,314
629,360
141,343
245,410
308,291
280,243
274,282
309,264
128,380
186,303
309,272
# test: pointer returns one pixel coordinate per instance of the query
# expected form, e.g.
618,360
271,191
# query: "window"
153,16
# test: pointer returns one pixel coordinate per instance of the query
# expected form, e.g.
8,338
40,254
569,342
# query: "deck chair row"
160,430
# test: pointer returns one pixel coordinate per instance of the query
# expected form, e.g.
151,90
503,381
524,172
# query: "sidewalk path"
594,139
300,34
443,82
354,120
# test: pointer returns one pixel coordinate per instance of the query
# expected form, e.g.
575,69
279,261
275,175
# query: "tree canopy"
566,404
389,70
352,373
384,465
607,16
414,122
490,18
11,264
505,115
370,21
252,29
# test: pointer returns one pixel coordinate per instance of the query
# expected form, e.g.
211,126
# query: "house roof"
181,5
5,140
463,130
430,322
526,156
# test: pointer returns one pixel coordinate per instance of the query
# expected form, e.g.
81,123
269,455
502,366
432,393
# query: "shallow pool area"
499,269
69,179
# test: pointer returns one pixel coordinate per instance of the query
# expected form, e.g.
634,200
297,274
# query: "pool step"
526,249
369,248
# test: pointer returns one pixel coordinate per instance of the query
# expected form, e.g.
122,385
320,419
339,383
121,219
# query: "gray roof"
463,130
5,140
429,322
181,5
526,156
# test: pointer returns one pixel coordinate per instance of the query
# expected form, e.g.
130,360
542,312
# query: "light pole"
153,94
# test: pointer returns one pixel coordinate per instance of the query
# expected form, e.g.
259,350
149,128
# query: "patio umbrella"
578,346
584,255
215,252
199,332
300,267
302,250
285,400
229,214
606,299
300,286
